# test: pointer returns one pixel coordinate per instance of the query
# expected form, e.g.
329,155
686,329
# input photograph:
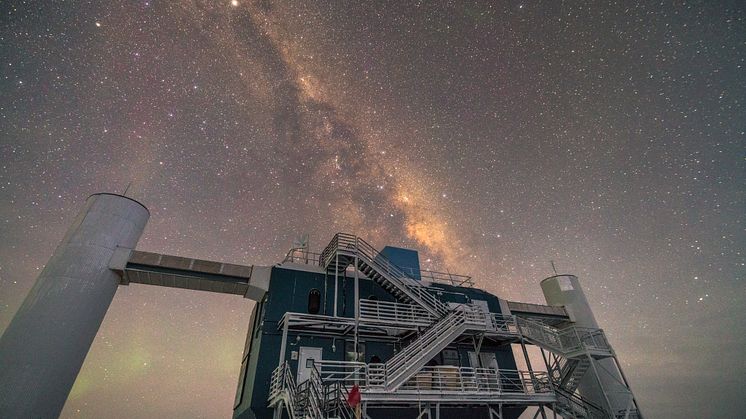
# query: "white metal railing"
316,397
376,375
352,245
440,277
454,379
347,372
504,323
335,401
437,378
565,341
283,388
301,256
394,313
574,405
420,350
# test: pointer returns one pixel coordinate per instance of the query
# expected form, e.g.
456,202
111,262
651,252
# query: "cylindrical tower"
44,346
606,389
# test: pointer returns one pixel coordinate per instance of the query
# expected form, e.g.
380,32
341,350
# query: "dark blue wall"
406,259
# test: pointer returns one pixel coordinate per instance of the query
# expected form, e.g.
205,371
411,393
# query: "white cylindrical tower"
608,389
44,346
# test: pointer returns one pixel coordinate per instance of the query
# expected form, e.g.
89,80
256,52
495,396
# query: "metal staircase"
417,353
567,373
574,349
347,249
570,342
571,405
311,399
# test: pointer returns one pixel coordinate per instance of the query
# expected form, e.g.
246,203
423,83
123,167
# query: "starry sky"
494,136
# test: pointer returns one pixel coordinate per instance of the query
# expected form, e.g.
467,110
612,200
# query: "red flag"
353,399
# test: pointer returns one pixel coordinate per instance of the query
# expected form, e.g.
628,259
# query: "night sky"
494,136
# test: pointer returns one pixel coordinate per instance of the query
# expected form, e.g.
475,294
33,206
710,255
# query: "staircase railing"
283,388
566,341
315,394
578,406
353,245
348,373
336,401
421,349
440,277
305,400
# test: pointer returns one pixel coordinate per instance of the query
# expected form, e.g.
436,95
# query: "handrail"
353,245
394,313
301,256
420,349
440,277
439,378
283,387
506,323
315,394
348,372
335,400
579,405
565,341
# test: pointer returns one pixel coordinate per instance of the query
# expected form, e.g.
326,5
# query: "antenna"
127,188
301,243
553,267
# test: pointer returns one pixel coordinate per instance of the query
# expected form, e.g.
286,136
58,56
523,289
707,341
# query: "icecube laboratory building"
351,319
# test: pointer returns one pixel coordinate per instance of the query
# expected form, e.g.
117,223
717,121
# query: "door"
307,356
473,359
485,308
489,360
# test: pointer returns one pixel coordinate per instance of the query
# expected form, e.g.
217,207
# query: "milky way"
493,136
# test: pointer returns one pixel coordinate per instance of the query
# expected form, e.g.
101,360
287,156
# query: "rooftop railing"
352,245
302,256
440,277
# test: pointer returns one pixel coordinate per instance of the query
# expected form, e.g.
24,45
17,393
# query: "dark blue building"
412,341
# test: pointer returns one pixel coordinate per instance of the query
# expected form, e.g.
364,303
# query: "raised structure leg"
44,346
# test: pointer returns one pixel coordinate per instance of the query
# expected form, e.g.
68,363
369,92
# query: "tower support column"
43,348
604,386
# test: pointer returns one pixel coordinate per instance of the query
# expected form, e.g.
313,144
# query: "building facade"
415,343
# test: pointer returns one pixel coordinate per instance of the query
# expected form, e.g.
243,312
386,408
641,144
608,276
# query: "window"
314,301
